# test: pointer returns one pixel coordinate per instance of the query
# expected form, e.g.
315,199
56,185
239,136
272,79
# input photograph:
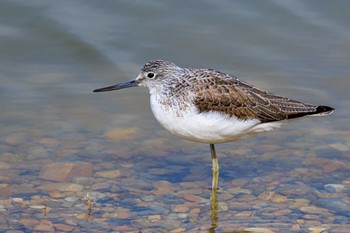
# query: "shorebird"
209,106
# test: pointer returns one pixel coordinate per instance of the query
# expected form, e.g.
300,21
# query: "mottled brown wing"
223,93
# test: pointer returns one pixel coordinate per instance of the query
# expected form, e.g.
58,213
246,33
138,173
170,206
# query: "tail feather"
322,111
319,111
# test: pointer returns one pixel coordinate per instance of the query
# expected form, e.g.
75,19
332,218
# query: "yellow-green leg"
215,168
214,188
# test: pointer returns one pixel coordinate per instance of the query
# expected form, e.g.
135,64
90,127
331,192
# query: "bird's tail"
314,111
322,111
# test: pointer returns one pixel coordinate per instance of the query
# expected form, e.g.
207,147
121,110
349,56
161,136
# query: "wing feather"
227,94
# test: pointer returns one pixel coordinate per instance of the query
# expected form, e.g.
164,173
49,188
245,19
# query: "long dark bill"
131,83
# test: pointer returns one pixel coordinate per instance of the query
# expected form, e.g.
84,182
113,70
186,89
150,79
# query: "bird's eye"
150,75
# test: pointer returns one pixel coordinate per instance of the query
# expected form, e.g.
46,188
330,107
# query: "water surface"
59,141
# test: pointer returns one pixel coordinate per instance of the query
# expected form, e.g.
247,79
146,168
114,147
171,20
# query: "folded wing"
222,93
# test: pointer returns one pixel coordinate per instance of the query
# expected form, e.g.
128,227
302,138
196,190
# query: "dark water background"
54,53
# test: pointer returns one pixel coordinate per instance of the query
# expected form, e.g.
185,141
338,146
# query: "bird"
213,107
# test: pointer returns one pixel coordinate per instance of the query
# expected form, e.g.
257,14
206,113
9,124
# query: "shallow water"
59,141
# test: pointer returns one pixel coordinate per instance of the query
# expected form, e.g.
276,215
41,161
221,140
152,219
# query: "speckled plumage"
211,90
209,106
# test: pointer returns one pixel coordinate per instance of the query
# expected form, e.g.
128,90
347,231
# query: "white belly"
205,127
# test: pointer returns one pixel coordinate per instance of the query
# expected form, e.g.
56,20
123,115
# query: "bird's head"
152,75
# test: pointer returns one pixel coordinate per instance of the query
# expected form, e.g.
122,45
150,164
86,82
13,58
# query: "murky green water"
59,141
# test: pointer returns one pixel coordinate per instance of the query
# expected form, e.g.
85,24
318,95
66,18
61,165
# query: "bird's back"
219,92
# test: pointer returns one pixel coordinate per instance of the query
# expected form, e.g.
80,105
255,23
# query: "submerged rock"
64,172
